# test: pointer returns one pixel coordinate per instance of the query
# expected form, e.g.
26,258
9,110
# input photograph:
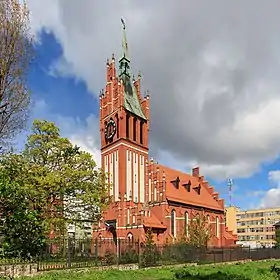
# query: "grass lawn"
251,270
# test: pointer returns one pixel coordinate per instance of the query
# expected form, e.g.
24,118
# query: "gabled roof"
202,199
153,222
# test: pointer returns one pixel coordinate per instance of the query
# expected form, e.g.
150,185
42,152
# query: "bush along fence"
85,253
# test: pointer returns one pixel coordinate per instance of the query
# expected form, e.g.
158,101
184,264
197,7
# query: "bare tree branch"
16,54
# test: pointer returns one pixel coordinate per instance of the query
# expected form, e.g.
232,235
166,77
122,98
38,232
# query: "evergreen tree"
149,255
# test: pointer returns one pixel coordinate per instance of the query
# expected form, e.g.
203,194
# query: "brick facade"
143,193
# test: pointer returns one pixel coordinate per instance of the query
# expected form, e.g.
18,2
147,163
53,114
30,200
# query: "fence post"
249,252
96,250
139,254
69,253
118,250
214,254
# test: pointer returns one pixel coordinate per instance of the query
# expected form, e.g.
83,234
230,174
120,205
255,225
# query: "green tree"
23,229
60,183
199,231
150,254
277,236
61,172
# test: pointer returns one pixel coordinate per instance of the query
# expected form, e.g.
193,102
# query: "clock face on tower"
110,129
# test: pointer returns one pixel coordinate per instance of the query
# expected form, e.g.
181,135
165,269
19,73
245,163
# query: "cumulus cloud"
272,197
212,68
83,134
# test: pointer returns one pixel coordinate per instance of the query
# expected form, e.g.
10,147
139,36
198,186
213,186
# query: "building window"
134,129
217,227
173,223
127,126
186,223
128,217
130,237
141,132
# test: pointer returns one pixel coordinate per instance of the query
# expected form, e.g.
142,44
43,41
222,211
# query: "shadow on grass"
213,276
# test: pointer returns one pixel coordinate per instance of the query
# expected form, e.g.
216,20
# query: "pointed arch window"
128,217
127,126
134,129
130,237
173,222
141,132
187,223
217,227
155,193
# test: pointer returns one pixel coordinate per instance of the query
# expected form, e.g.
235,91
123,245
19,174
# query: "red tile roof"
204,199
153,222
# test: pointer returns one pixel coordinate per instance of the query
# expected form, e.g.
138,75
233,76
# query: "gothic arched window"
217,227
186,222
130,237
173,222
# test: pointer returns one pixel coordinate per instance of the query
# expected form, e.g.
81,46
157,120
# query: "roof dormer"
187,186
176,182
197,189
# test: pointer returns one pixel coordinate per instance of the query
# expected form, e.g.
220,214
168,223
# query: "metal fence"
70,253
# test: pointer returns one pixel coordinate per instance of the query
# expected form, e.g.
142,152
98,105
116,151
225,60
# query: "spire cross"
123,23
124,61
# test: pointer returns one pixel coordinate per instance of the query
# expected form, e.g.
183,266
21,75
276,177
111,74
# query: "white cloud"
83,134
212,68
272,197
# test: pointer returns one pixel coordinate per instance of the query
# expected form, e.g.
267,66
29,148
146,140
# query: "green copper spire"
124,42
131,100
124,61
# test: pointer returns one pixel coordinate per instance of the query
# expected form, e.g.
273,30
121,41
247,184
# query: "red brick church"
145,194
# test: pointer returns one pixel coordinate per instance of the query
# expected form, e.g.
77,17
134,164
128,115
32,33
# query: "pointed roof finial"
124,41
123,23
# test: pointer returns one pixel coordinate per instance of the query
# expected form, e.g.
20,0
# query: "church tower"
124,128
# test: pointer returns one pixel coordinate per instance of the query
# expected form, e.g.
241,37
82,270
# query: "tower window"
141,132
106,140
127,126
134,129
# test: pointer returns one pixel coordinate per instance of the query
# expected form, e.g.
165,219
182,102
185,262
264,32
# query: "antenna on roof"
230,185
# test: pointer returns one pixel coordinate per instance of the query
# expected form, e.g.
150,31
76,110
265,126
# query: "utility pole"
230,185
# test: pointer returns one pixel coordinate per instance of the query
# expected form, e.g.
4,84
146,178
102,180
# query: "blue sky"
214,87
69,98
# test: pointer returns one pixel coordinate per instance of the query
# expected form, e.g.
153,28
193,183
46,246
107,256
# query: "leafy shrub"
110,258
128,256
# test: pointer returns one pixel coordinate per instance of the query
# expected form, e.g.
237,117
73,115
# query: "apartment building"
254,228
